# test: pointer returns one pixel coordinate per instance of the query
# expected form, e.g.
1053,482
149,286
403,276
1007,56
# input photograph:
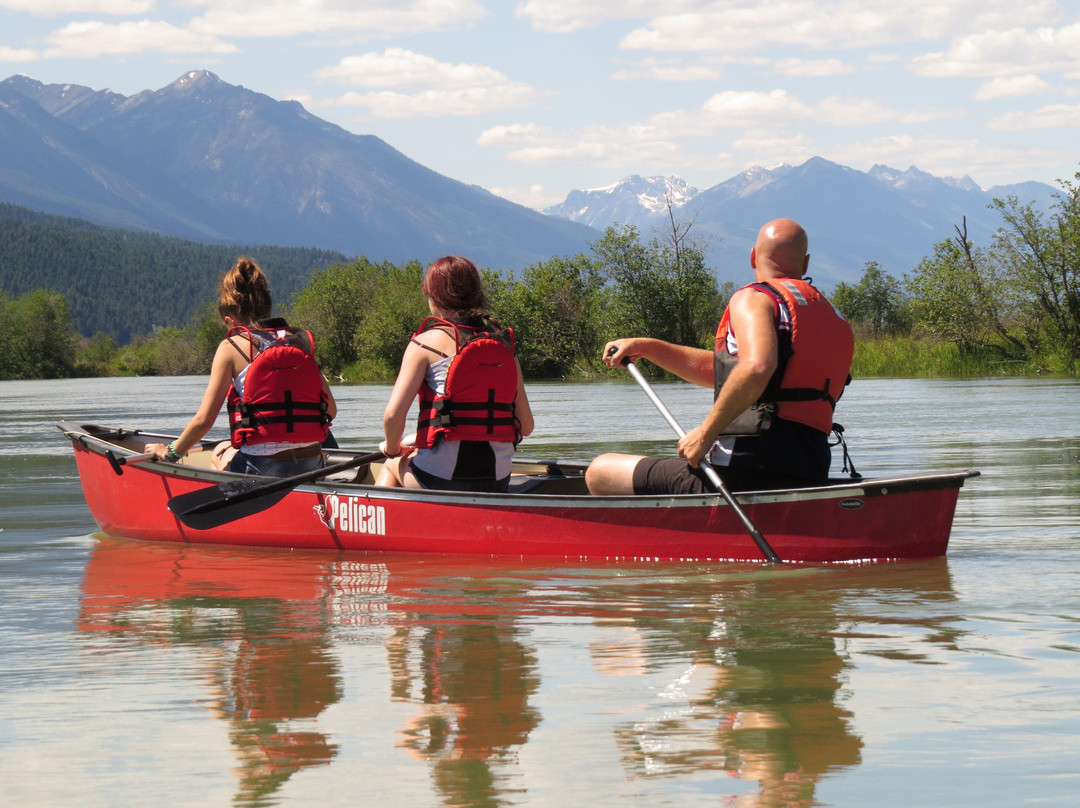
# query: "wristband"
171,455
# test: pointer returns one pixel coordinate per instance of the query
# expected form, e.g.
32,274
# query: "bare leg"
391,472
395,473
223,453
612,474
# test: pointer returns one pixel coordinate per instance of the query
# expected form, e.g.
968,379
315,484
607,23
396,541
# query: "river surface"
143,675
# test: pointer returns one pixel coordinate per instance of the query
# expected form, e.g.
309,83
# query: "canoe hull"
898,518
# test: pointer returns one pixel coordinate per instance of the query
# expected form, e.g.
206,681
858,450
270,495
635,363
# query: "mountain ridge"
890,216
238,166
206,160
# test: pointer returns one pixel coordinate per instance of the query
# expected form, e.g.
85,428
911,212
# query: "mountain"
211,162
884,215
634,200
207,160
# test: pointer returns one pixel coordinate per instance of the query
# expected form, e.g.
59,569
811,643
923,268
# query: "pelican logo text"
352,515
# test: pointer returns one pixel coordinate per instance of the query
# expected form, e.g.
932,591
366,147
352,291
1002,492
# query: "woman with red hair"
473,405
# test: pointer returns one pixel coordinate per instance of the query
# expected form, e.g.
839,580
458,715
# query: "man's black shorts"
673,475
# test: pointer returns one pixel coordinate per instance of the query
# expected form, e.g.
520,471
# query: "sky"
534,98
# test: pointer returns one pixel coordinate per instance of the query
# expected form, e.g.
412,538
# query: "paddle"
228,501
119,461
710,472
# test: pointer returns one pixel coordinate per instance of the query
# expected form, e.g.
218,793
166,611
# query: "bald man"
782,358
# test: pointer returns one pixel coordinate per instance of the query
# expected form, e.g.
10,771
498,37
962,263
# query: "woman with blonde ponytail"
473,405
245,304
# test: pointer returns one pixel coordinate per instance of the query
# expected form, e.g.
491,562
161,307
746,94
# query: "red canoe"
547,512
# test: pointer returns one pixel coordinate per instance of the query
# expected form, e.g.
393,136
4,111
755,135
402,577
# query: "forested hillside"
124,283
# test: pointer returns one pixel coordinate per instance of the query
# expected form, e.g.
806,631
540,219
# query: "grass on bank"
907,356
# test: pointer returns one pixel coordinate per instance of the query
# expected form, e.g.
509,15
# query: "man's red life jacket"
813,364
283,397
481,385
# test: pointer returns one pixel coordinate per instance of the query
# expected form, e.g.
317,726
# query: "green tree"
330,306
174,352
658,289
960,295
38,340
1041,258
97,355
877,302
394,308
555,312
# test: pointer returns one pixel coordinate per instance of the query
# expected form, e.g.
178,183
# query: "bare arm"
695,365
522,409
221,375
331,404
410,376
753,323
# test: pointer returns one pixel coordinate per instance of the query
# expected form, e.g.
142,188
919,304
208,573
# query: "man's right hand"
617,352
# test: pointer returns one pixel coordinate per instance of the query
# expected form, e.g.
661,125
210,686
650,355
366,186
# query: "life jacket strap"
445,412
288,412
849,465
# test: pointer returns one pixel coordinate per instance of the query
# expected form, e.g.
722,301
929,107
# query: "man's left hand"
694,446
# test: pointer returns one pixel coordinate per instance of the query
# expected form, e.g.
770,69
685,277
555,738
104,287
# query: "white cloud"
766,119
814,68
946,156
668,70
536,197
88,40
566,16
1010,87
398,67
734,108
603,146
16,55
748,25
865,111
462,102
50,8
1055,116
372,18
411,85
1017,51
767,147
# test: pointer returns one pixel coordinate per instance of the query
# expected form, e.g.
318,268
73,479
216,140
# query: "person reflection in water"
471,682
761,693
264,648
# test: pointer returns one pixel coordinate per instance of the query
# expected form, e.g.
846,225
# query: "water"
142,675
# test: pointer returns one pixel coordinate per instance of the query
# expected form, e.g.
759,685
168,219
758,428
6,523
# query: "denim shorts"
266,466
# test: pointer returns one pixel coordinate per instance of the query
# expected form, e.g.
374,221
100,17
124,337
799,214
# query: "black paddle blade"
217,504
235,499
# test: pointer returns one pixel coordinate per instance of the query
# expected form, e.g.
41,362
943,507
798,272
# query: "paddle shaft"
118,461
706,467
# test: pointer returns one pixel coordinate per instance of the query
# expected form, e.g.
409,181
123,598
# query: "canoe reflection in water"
731,675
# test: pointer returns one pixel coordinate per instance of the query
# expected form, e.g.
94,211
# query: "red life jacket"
813,363
481,385
283,397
